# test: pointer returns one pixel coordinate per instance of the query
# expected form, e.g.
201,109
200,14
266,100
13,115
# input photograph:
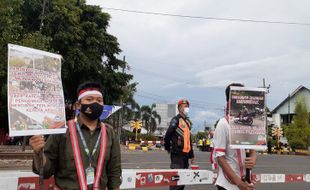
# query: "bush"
146,137
298,133
297,144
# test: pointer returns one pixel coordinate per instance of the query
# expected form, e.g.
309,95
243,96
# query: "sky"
178,57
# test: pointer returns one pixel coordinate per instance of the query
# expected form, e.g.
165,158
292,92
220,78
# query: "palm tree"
149,117
130,109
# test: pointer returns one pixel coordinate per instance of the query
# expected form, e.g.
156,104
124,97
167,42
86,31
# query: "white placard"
35,93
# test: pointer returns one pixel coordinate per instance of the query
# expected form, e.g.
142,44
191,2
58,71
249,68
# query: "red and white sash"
78,160
239,157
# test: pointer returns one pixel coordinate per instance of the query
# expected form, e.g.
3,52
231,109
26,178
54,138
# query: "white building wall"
166,112
172,111
289,106
162,110
277,119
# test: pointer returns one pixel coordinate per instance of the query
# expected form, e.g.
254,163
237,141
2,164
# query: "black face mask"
92,111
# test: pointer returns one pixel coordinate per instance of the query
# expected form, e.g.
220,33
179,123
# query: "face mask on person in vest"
92,111
186,111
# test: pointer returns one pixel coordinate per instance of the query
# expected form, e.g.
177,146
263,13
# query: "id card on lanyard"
90,175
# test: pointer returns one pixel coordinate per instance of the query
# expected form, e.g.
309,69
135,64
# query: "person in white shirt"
231,162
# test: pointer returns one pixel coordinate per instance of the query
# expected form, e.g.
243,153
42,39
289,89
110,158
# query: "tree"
201,135
131,109
76,31
79,34
149,117
13,31
298,133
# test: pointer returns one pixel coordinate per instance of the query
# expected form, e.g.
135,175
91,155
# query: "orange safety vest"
184,126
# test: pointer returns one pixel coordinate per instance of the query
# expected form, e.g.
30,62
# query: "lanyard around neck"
90,155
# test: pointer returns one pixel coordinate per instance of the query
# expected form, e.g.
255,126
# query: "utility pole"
121,114
289,109
267,87
267,92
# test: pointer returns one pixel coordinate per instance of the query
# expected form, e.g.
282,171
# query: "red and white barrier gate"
12,180
20,180
154,178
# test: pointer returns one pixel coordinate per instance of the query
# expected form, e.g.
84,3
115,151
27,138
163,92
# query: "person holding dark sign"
88,155
232,162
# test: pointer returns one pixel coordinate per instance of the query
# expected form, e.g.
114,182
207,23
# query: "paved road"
265,164
280,164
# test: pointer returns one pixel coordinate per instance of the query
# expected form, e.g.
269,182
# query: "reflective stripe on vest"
78,160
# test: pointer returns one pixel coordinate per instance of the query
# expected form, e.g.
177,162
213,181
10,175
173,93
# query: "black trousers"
178,161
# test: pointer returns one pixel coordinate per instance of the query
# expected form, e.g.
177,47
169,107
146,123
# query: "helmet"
183,101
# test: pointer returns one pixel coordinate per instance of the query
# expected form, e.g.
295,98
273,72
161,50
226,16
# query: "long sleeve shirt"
60,160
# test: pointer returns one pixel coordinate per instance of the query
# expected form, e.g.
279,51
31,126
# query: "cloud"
172,85
280,70
209,54
184,47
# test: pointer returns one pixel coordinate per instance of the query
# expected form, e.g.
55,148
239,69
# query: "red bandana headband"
89,91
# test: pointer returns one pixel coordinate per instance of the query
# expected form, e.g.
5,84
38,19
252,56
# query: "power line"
152,98
155,95
193,101
163,100
174,79
207,18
